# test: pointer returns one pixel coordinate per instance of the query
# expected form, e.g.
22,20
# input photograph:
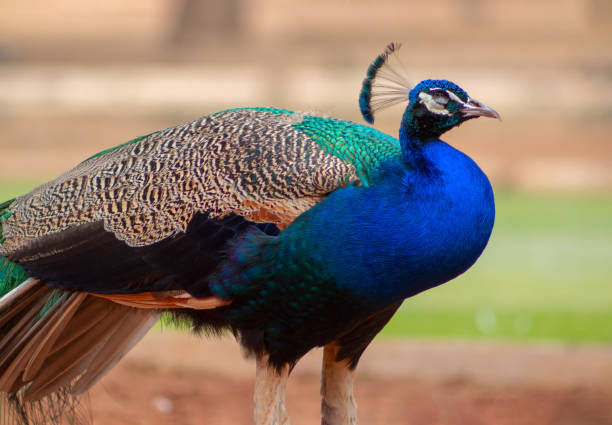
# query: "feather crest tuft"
383,85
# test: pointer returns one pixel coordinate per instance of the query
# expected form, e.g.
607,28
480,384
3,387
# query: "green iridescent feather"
11,274
364,147
114,148
361,146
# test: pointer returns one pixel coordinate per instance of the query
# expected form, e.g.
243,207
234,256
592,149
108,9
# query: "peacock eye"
440,97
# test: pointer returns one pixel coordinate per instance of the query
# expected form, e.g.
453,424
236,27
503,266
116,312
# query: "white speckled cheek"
432,105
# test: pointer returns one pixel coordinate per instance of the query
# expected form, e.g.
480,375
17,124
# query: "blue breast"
407,233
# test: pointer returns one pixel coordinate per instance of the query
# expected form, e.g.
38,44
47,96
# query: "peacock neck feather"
434,215
414,134
412,146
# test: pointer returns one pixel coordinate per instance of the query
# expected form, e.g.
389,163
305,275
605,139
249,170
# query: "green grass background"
546,275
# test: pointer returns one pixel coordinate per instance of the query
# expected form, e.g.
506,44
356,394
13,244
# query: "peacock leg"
269,394
337,402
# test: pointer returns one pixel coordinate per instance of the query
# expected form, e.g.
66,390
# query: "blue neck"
412,145
405,233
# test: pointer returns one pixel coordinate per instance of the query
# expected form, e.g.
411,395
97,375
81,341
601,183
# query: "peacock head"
434,106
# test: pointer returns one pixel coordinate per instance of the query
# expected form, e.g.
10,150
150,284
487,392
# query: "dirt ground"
173,378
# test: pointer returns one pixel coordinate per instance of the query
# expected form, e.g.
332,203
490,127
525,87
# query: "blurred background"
523,337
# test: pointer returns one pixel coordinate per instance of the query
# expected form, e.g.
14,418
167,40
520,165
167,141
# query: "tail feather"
57,408
86,318
13,302
56,344
64,365
44,340
56,380
13,342
118,345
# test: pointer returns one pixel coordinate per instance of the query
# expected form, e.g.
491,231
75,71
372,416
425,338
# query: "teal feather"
358,145
11,274
114,148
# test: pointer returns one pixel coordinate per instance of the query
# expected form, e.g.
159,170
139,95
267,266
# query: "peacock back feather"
150,188
155,194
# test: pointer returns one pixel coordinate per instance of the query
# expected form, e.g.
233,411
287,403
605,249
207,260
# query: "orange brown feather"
165,299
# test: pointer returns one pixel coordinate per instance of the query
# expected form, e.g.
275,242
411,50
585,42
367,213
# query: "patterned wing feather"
157,196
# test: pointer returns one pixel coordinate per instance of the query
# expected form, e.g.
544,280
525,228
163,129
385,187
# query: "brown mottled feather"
226,163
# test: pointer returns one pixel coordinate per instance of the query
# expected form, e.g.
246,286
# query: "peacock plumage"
290,230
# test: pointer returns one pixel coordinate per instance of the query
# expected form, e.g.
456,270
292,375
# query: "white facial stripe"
432,105
454,97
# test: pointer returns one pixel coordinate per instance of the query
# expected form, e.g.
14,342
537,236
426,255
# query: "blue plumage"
407,232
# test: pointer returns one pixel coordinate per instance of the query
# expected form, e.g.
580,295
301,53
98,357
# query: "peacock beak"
473,108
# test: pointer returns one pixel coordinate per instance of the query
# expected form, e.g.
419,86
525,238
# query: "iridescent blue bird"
290,230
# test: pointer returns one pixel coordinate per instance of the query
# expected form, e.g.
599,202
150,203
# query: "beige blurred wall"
78,76
60,19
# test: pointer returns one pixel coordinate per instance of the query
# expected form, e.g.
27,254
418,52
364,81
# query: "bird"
290,230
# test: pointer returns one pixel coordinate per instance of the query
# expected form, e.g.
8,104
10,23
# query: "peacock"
290,230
